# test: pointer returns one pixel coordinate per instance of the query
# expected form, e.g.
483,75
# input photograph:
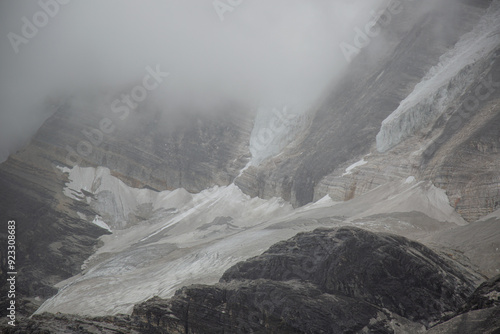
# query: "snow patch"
170,250
410,179
98,221
349,169
113,198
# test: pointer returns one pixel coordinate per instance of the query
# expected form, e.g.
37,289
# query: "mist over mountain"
231,166
288,56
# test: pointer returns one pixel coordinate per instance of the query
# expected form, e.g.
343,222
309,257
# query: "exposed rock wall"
480,314
444,83
464,158
444,127
347,121
194,150
51,240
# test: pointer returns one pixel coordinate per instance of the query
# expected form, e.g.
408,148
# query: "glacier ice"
443,83
113,198
194,238
273,130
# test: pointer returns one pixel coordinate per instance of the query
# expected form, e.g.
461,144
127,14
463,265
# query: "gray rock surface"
481,313
347,120
306,285
194,150
478,241
51,240
315,282
392,272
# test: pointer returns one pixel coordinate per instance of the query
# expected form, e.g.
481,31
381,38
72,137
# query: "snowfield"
194,238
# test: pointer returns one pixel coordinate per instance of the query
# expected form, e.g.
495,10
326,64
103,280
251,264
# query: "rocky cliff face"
54,236
193,150
52,241
407,107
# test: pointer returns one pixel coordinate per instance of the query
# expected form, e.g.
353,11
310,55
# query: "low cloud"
262,52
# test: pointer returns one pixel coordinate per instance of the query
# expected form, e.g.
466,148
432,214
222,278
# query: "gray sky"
263,52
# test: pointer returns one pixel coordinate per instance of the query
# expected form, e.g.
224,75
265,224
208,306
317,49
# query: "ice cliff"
443,84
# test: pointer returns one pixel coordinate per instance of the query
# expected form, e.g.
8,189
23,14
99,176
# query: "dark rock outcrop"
480,314
265,306
66,324
343,280
331,281
390,283
390,271
486,295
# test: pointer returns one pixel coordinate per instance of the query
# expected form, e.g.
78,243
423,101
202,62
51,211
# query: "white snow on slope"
196,242
443,83
210,232
114,198
410,179
98,221
349,169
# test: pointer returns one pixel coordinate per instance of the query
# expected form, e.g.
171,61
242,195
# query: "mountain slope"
406,142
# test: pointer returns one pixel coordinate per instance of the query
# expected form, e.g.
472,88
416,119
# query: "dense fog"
273,53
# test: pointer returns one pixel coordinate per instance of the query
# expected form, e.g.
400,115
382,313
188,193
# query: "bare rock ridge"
376,268
314,283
